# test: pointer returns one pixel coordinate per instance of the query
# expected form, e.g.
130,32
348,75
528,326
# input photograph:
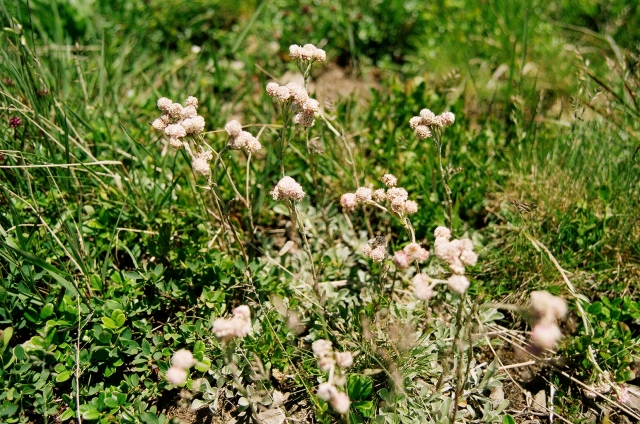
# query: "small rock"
497,396
540,401
272,416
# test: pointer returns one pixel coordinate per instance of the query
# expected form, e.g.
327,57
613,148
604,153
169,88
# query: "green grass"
95,218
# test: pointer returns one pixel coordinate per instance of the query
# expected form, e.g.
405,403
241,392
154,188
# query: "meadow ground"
117,250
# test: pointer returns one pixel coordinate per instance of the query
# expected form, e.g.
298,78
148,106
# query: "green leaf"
53,271
359,387
68,414
91,415
149,418
109,323
118,318
508,419
46,311
63,376
365,408
6,337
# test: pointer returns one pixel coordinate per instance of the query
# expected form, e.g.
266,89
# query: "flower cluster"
297,95
376,249
396,196
427,121
182,360
239,139
327,359
308,52
238,326
411,252
456,253
200,163
178,121
545,309
15,122
422,286
287,188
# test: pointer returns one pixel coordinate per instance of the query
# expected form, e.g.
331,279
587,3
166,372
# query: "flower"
447,119
176,376
547,307
545,335
344,359
321,347
379,195
442,232
287,188
401,260
175,131
363,194
326,391
238,326
415,252
348,202
304,119
389,180
422,287
159,124
233,128
458,284
376,249
192,101
307,52
340,403
164,104
200,164
183,359
193,125
410,207
397,193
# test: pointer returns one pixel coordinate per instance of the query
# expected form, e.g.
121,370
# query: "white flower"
176,376
183,359
287,188
340,403
326,391
233,128
389,180
349,202
344,359
545,336
458,284
363,194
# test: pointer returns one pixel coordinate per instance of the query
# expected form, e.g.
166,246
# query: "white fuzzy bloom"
422,287
183,359
240,141
378,254
389,180
175,110
297,93
397,193
326,391
159,124
545,336
340,403
427,117
325,363
233,128
376,249
349,202
546,307
458,284
310,105
175,131
447,118
164,104
176,143
242,312
282,93
287,188
176,376
188,112
344,359
410,207
238,326
415,252
253,145
442,232
379,195
272,87
422,131
322,347
401,260
307,51
192,101
320,55
193,125
397,205
294,51
363,194
200,164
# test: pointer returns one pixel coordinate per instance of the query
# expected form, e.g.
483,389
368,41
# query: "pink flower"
348,202
183,359
176,376
422,287
340,403
545,336
287,188
401,260
458,284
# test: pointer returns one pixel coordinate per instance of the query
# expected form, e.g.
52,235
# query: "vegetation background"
105,265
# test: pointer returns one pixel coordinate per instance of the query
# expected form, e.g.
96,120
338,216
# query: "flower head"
389,180
287,188
422,286
376,249
344,359
183,359
545,336
348,202
326,391
415,252
401,260
363,194
340,403
379,195
200,164
238,326
233,128
458,284
176,376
